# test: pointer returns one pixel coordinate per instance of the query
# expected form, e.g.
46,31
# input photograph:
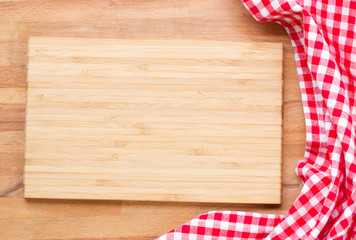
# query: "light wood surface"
162,120
225,20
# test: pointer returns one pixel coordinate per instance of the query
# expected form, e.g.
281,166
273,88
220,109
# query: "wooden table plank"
226,20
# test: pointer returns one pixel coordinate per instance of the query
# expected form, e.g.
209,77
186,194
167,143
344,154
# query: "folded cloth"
323,38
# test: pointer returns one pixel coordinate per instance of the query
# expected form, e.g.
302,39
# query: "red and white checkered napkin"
324,41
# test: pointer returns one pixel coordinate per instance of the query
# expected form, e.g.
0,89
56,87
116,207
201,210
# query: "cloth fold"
323,38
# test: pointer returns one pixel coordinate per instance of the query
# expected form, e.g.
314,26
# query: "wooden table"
139,19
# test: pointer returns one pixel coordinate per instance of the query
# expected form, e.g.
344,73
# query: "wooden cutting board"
153,120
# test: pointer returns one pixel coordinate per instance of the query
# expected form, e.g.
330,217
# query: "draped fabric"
323,38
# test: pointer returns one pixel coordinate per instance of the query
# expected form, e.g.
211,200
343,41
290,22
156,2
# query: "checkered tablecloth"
324,41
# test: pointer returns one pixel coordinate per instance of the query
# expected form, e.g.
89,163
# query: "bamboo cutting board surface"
153,120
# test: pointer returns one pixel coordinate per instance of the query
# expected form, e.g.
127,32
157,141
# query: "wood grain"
160,120
225,20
